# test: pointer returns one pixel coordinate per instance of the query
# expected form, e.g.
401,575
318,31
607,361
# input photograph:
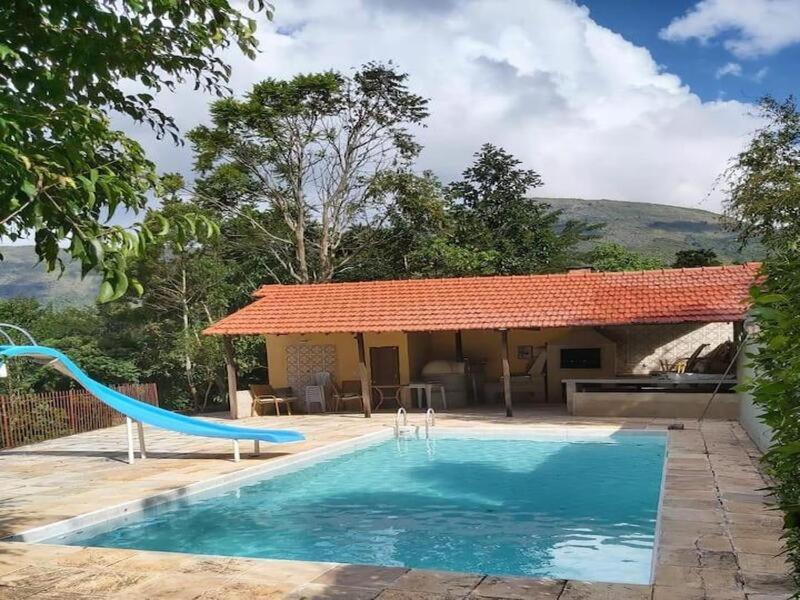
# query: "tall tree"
764,198
495,215
65,171
316,150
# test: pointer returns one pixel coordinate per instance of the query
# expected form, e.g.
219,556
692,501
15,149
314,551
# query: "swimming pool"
542,505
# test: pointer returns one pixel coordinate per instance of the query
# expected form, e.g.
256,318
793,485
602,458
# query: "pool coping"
287,464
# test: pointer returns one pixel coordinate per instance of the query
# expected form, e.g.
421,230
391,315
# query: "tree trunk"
230,368
187,364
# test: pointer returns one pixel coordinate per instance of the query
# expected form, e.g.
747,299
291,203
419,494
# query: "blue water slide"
141,411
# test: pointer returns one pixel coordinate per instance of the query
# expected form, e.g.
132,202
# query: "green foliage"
765,198
703,257
317,151
65,170
764,180
82,333
613,257
500,225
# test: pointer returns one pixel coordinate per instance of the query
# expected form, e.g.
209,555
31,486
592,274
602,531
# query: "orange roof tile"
581,298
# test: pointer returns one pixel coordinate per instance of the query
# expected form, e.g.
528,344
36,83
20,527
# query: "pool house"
660,343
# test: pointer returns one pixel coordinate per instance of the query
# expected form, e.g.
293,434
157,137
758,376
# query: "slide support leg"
235,450
142,449
129,427
257,448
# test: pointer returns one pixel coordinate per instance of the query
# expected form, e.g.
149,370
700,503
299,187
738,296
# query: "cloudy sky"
621,99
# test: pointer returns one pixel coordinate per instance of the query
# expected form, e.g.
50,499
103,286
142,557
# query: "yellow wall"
346,353
483,347
578,338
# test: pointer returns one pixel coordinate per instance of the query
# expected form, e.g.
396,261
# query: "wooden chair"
265,394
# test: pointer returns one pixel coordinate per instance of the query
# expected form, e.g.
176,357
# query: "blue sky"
698,64
639,100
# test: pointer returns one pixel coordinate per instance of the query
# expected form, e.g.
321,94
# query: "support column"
230,369
506,371
363,372
459,347
129,429
142,448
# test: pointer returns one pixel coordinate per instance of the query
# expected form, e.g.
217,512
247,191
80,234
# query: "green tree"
764,198
500,225
702,257
610,256
65,171
317,151
81,332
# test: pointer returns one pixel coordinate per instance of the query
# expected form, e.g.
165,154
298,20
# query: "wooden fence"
29,418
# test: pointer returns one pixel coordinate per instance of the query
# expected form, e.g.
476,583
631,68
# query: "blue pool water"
580,509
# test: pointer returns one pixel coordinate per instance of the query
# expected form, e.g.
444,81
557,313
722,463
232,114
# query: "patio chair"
350,391
264,394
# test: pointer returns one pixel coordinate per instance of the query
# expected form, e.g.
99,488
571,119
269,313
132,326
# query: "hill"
653,229
657,229
20,275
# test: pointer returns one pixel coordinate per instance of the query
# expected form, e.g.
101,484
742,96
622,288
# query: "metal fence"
29,418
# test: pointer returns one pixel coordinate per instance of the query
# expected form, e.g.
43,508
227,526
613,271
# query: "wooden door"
385,365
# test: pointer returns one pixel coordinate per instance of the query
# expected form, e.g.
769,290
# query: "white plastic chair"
315,394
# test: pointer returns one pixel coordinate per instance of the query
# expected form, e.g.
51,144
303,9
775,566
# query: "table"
394,391
415,387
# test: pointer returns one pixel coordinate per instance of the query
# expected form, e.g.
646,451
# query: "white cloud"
761,74
593,113
733,69
751,28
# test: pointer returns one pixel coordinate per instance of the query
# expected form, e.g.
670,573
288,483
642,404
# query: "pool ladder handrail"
430,421
400,412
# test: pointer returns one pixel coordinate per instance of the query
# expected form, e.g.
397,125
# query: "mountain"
657,229
22,275
653,229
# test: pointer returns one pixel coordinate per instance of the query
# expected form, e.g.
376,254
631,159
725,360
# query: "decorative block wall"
642,349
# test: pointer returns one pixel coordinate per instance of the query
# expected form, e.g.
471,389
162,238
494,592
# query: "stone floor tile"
40,578
99,582
392,594
515,588
364,576
154,562
94,557
686,557
243,589
763,563
766,583
20,593
295,572
582,590
455,585
769,546
174,586
321,591
714,559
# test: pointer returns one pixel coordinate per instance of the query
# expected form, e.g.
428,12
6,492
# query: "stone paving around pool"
717,540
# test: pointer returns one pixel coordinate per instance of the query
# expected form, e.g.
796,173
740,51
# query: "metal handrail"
400,411
430,421
20,330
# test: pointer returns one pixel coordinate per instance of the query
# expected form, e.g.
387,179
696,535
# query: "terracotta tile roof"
579,298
